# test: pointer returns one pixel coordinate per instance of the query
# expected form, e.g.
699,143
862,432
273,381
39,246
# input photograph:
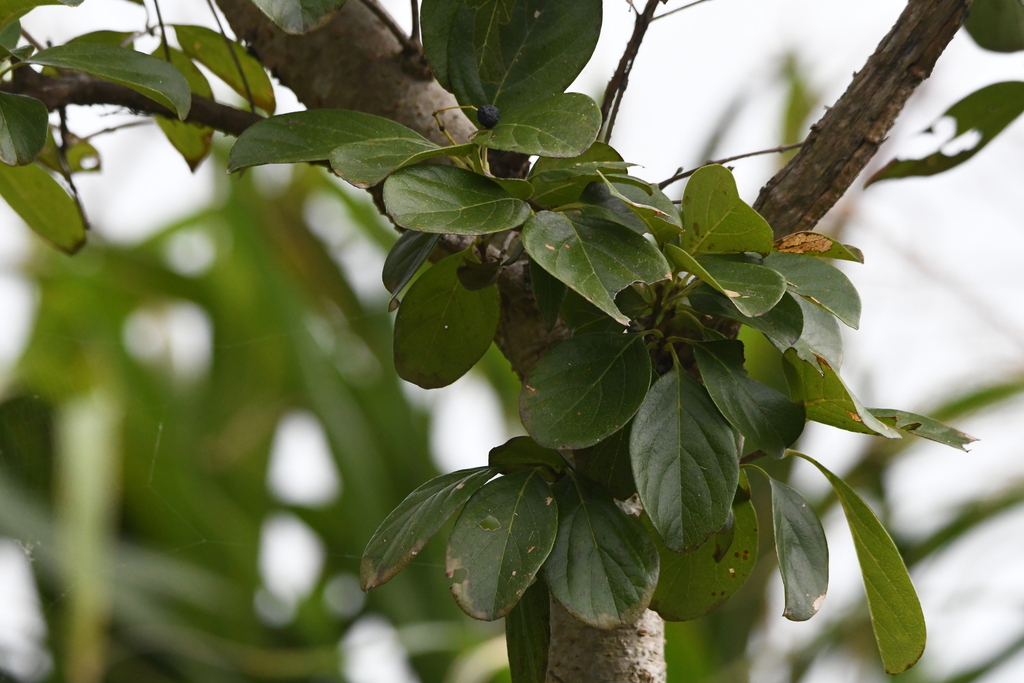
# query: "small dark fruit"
488,115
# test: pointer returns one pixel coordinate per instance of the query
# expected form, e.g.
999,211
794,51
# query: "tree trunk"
356,62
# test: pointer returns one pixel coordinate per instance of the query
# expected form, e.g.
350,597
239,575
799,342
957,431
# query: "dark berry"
488,115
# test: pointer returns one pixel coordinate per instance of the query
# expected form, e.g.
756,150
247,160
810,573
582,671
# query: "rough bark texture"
842,143
581,654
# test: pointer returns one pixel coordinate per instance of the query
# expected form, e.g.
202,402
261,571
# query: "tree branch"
620,79
680,174
842,143
85,90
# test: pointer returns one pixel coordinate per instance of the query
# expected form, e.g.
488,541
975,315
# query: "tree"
531,306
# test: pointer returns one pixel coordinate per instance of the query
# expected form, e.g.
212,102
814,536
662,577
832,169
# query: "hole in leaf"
490,523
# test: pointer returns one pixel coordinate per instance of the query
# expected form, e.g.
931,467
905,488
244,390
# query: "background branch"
620,79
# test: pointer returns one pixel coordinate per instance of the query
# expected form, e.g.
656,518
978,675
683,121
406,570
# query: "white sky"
941,286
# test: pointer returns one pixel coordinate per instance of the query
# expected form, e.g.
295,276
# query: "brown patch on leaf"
803,242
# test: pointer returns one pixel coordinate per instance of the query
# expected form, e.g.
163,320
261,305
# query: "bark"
842,143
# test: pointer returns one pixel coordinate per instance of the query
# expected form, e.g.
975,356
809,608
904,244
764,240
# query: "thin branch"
62,157
85,90
114,129
32,41
620,79
679,9
680,174
163,31
415,35
408,44
234,57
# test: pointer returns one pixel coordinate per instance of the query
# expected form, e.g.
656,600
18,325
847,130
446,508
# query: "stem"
680,174
410,45
234,57
679,9
163,31
415,35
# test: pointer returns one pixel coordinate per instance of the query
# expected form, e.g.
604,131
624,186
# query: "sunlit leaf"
154,78
819,282
604,566
923,426
716,220
563,125
246,76
594,257
685,461
445,199
442,328
584,389
499,543
44,205
896,614
407,529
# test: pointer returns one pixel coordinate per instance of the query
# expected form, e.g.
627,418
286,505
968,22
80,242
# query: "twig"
680,174
415,35
408,44
234,57
678,9
32,41
114,129
620,79
62,157
163,30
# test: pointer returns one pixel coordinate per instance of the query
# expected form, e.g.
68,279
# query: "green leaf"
522,451
987,112
405,531
608,463
896,614
697,583
753,289
820,337
367,162
594,257
442,328
563,125
24,122
815,244
556,182
80,156
152,77
411,250
42,203
802,550
650,205
299,16
819,282
307,136
548,291
585,389
685,461
528,635
923,426
598,201
827,400
210,49
436,18
500,541
445,199
604,566
782,324
192,141
537,53
12,10
997,25
10,35
717,220
769,420
118,38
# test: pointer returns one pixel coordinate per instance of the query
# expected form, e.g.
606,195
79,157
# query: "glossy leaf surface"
210,49
695,584
407,529
594,257
585,389
924,427
522,451
299,16
987,111
42,203
411,250
827,400
549,175
528,635
564,125
603,567
896,614
685,461
769,421
802,550
445,199
152,77
753,289
367,162
783,323
717,221
23,127
819,282
500,541
820,337
442,329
